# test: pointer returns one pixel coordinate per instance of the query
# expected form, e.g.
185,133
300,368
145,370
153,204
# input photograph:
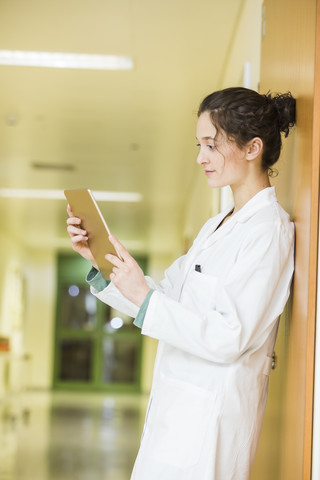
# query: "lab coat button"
274,361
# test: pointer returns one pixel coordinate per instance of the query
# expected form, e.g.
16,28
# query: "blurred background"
127,131
74,374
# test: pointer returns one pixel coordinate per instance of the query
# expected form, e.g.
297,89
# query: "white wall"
245,47
11,289
40,268
27,293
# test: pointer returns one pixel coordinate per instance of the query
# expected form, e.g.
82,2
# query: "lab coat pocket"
199,291
181,416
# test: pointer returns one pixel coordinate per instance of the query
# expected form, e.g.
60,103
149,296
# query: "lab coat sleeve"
112,296
249,300
138,322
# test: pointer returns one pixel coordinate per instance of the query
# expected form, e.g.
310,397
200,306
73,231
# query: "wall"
40,273
244,47
11,290
27,292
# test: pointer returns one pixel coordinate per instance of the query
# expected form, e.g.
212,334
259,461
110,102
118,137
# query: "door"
288,63
96,347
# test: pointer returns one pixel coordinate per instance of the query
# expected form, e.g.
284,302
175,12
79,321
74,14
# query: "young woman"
216,312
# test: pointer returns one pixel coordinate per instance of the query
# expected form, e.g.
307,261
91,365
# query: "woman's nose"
201,158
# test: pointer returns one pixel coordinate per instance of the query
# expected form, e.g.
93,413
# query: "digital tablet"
84,206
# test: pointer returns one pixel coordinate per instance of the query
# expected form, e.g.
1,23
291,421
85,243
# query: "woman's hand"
79,237
126,274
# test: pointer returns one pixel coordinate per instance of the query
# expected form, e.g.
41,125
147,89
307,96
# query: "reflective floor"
70,436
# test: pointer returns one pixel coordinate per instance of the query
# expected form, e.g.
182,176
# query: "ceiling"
108,130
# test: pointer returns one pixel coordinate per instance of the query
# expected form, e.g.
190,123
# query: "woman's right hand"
79,237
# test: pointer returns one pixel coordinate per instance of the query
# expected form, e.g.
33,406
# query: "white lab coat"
216,330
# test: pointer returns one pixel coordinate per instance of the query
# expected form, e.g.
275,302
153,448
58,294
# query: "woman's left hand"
126,274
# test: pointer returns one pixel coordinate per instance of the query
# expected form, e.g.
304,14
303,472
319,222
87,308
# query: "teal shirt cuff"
138,322
96,280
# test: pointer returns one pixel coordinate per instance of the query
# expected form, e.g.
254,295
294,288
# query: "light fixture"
65,60
101,196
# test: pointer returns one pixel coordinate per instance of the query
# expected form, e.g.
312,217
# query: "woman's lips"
208,172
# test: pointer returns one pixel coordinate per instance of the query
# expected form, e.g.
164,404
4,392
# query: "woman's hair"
244,114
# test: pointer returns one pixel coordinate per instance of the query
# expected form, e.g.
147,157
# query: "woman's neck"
243,193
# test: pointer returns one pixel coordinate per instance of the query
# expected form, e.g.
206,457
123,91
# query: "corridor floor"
70,436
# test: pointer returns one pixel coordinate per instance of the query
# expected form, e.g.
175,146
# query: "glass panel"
75,360
115,321
78,308
119,360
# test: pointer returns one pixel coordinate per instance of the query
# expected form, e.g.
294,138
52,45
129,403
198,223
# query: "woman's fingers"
70,213
114,260
126,275
73,221
73,230
78,239
120,249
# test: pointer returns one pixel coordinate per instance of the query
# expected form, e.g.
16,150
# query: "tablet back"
84,206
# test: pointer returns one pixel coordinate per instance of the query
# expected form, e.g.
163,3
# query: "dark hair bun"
285,105
244,114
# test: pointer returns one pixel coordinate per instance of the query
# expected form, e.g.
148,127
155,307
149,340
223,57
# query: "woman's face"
224,163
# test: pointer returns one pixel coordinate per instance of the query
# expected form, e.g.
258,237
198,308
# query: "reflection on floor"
70,436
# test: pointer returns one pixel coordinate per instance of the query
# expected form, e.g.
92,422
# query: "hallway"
51,436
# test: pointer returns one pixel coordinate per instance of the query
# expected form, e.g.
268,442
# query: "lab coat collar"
212,233
265,197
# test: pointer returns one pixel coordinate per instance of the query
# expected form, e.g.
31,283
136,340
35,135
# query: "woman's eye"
210,147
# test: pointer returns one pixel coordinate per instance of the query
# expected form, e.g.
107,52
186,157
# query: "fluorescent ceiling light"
65,60
102,196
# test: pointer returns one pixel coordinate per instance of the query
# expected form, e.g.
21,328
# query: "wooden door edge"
313,262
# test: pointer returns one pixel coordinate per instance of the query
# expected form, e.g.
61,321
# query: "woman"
216,312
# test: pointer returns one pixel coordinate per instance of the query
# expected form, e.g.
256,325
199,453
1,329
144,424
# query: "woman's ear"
254,148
